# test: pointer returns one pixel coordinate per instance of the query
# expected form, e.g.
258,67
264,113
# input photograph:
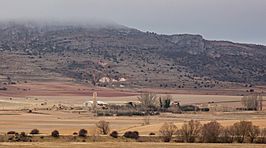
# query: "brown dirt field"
67,122
234,91
32,95
74,89
126,144
60,89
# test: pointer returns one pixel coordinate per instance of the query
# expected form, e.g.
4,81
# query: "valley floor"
40,98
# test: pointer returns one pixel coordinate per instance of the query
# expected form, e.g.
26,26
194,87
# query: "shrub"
55,133
20,137
114,134
34,131
211,132
190,131
83,133
167,131
132,135
3,88
103,127
188,108
23,134
152,134
75,134
11,133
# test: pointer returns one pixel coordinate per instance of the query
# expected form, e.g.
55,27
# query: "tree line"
192,131
214,132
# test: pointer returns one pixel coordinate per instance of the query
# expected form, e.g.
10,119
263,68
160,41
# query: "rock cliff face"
41,52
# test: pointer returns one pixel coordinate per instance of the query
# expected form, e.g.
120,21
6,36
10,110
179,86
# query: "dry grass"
67,122
123,144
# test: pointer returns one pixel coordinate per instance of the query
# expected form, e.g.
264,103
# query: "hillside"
117,56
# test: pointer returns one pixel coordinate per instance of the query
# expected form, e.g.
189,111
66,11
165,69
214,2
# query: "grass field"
127,145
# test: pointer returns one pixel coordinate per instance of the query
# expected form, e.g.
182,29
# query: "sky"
233,20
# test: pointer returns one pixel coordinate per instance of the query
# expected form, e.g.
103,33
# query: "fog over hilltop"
234,20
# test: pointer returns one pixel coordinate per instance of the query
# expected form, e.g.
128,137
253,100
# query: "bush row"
191,131
214,132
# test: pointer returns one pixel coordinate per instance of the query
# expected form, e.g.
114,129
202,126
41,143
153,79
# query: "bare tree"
227,134
103,127
211,132
167,131
241,130
190,131
263,135
148,101
260,100
95,134
146,120
253,133
252,102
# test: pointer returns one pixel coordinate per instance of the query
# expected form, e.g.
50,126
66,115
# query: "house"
89,104
105,80
122,80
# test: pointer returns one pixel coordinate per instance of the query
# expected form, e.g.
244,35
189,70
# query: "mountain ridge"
145,59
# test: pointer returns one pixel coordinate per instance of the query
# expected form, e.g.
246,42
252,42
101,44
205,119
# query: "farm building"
89,104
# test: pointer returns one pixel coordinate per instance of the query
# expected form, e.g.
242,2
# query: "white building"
90,103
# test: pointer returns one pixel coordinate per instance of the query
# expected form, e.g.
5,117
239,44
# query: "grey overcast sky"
234,20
